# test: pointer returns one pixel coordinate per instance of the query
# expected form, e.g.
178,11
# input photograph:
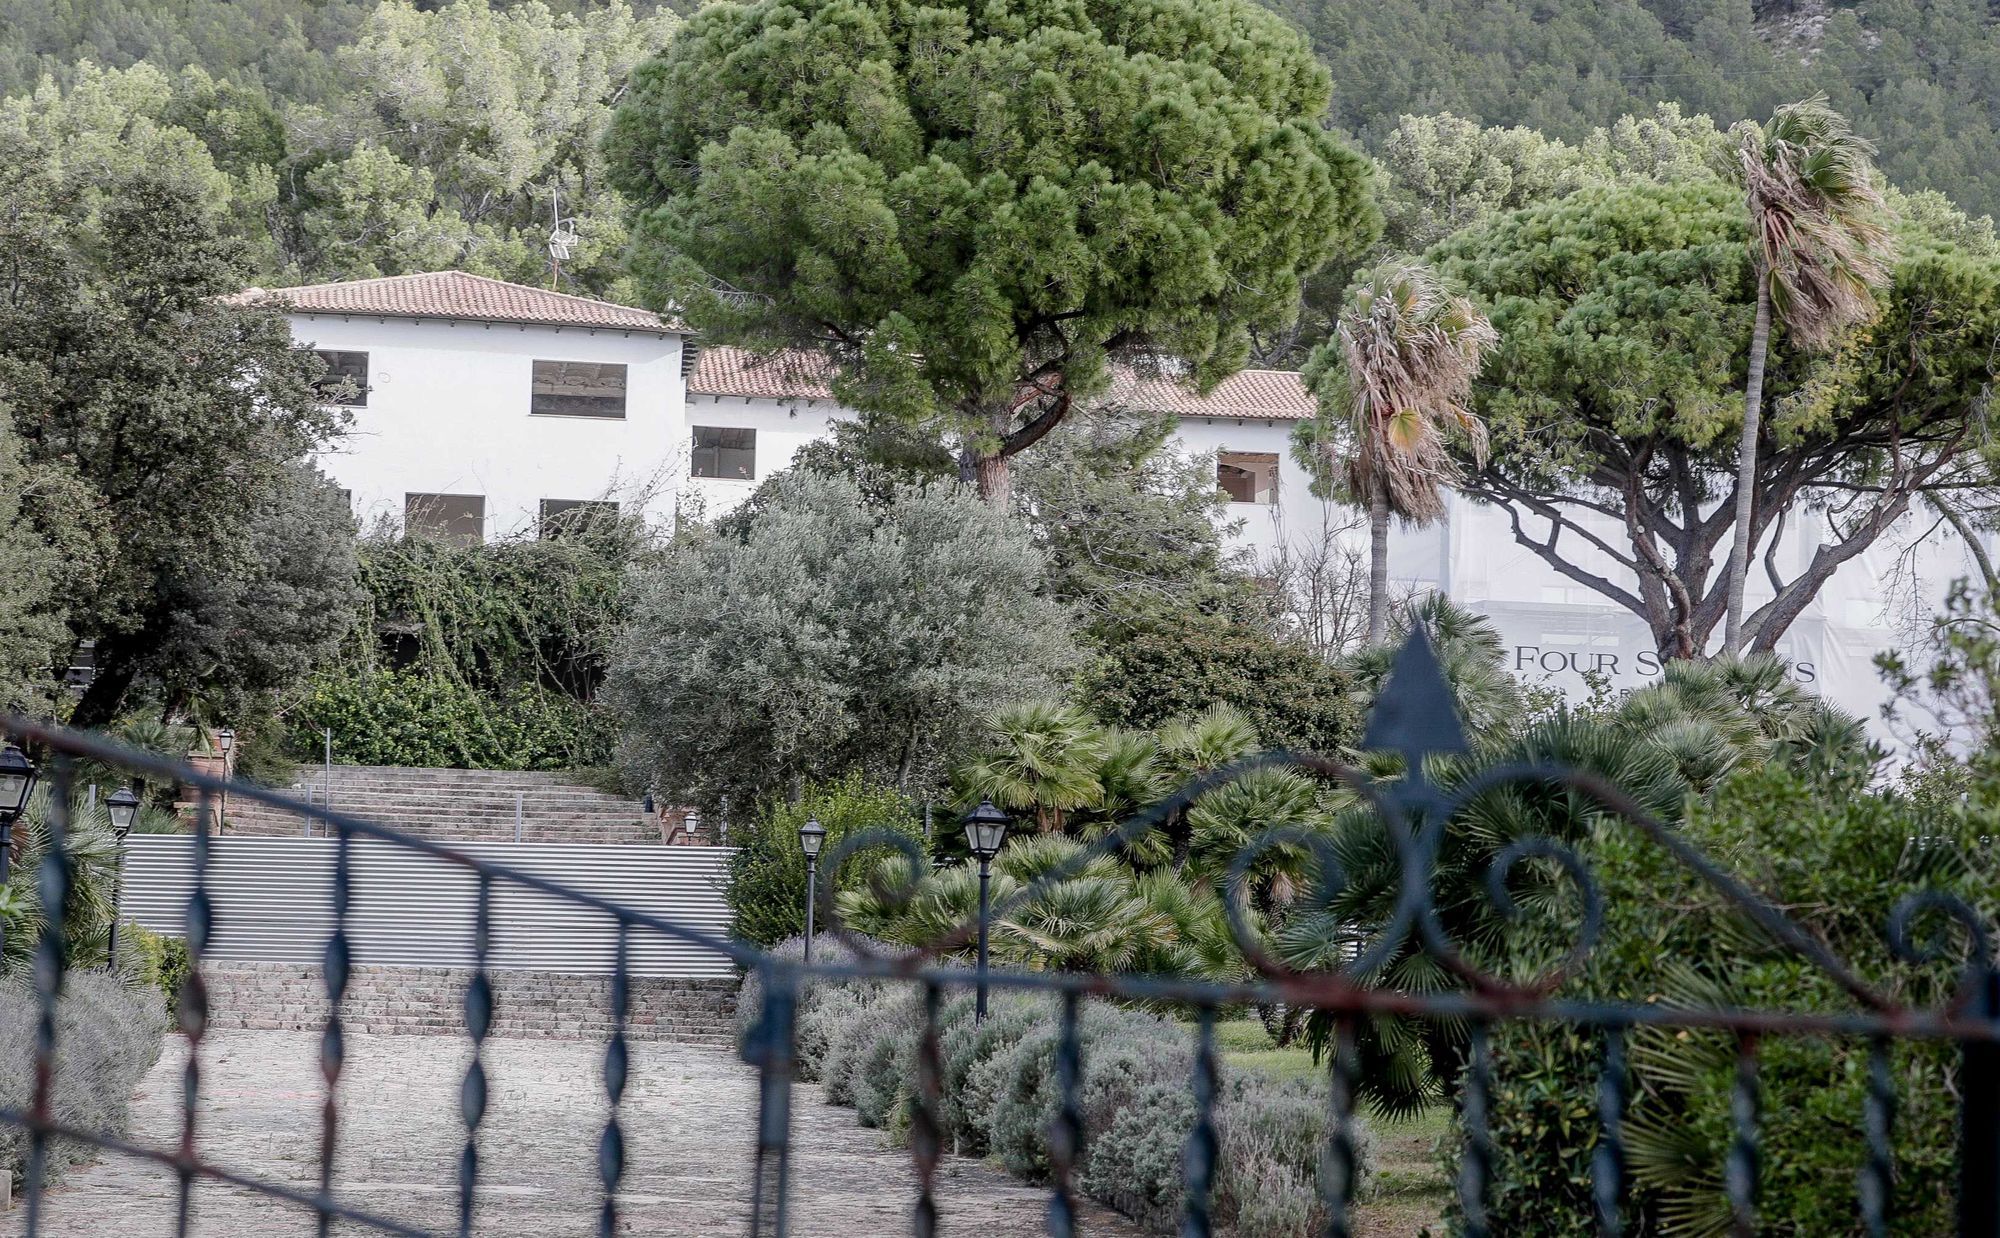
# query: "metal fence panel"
273,902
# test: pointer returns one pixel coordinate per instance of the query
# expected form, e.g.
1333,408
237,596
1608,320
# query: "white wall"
448,413
782,426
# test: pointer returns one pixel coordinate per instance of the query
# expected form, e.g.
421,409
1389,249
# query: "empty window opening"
1248,476
579,389
724,451
455,518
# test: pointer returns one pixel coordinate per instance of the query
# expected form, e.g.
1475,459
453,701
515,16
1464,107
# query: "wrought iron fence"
1413,719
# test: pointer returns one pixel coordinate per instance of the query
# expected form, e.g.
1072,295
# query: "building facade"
484,410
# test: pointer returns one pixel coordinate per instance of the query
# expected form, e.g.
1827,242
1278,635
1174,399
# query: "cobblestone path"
688,1119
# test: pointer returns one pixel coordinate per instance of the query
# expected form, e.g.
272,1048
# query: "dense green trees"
170,428
1625,312
975,210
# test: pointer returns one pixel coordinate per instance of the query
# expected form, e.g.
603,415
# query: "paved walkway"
687,1116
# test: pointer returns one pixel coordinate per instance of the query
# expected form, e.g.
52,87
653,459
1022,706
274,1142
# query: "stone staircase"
458,805
429,1001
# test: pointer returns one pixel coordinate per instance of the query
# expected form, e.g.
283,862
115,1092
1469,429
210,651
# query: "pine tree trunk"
1746,465
1378,568
995,475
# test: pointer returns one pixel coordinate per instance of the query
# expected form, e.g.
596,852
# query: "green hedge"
859,1040
384,717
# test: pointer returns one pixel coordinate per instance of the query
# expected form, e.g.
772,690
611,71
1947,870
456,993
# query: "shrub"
387,717
107,1035
999,1093
150,960
767,875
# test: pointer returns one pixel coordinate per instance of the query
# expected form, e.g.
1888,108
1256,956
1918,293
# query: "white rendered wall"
448,413
782,426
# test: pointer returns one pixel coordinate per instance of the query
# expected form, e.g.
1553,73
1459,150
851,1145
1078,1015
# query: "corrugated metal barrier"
273,901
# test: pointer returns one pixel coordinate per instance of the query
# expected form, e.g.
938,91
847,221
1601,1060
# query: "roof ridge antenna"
562,238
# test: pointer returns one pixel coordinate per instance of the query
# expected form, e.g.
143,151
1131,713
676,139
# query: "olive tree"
974,210
821,637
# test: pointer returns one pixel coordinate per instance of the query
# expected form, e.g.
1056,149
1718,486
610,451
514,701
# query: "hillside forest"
356,138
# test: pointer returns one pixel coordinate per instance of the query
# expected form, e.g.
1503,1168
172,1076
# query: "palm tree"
1820,250
1046,758
1408,352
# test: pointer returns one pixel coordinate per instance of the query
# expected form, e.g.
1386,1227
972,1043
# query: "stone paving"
688,1119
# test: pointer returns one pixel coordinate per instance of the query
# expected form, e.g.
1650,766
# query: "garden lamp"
985,833
124,809
17,783
812,836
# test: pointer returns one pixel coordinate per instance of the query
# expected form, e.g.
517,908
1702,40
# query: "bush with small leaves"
107,1036
1000,1094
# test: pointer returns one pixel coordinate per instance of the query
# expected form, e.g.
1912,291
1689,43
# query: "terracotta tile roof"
1271,394
456,294
720,370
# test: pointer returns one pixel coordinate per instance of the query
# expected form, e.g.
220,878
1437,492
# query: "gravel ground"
688,1117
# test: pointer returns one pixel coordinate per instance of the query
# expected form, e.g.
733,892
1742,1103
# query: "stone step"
430,1001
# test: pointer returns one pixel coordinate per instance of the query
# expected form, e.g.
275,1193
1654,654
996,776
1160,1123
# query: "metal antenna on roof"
562,238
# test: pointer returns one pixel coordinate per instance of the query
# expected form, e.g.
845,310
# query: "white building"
482,409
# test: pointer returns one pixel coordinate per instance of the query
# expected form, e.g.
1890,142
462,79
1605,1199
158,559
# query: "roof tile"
456,294
1278,395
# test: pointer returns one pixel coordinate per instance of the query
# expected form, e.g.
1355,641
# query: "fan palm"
1407,354
1047,760
1820,250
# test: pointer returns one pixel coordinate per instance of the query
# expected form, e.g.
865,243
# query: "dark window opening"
721,451
568,517
458,518
1248,476
578,389
345,381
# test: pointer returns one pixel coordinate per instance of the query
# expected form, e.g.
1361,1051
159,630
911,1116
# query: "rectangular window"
561,517
346,379
458,518
1247,476
724,451
578,389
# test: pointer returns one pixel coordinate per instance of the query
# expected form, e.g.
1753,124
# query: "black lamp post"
124,809
812,836
17,783
225,739
985,831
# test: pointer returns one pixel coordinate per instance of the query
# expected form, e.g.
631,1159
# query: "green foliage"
136,386
825,638
152,961
1625,317
350,139
486,656
110,1034
767,875
93,865
32,632
1837,856
388,717
1173,663
973,209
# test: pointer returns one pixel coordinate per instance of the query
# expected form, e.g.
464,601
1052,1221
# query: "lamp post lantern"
17,783
124,809
812,836
985,832
225,739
